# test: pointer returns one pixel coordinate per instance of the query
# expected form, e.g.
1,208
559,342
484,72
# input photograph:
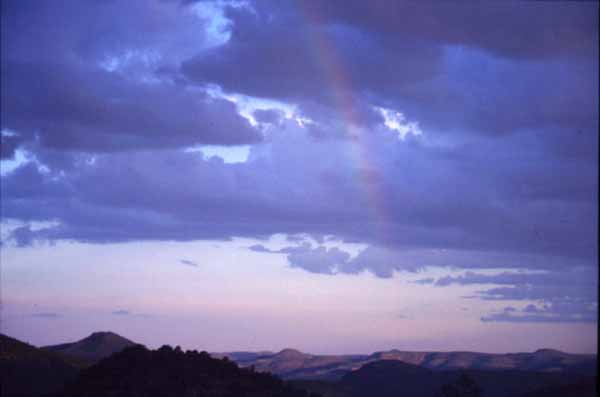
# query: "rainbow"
362,153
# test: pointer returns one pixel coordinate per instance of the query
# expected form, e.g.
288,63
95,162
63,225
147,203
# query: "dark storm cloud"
181,196
98,111
286,56
504,176
510,29
496,73
56,88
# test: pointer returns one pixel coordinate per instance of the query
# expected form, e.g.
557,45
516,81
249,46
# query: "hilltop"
92,348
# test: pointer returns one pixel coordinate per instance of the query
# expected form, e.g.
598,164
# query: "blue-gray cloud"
49,315
504,176
268,116
562,296
80,104
262,248
315,260
121,312
546,314
579,279
320,259
425,281
188,262
421,70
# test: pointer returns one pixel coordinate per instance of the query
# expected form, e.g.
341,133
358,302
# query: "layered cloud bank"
437,135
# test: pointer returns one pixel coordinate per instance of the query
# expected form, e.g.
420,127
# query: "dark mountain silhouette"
133,370
583,388
395,378
28,371
93,348
137,371
292,364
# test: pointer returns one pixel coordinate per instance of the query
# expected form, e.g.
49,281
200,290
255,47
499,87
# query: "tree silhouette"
464,386
167,372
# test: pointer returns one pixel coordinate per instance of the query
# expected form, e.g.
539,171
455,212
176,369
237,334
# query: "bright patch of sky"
247,105
8,132
396,121
217,25
7,226
118,62
21,157
229,154
363,313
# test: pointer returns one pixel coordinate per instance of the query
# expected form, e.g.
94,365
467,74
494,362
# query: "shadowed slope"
396,378
28,371
137,371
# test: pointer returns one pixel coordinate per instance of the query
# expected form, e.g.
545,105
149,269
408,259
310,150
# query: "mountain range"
105,363
293,364
397,378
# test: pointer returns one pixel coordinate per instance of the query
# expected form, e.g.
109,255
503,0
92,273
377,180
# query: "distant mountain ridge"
92,348
27,371
292,364
395,378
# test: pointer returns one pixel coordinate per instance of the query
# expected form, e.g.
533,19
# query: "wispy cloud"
46,315
424,281
548,313
188,262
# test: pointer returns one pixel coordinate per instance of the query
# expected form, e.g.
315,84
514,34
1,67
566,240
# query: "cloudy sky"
335,176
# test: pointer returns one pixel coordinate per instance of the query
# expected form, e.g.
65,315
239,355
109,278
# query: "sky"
337,177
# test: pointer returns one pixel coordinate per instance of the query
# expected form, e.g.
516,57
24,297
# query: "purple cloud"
504,176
